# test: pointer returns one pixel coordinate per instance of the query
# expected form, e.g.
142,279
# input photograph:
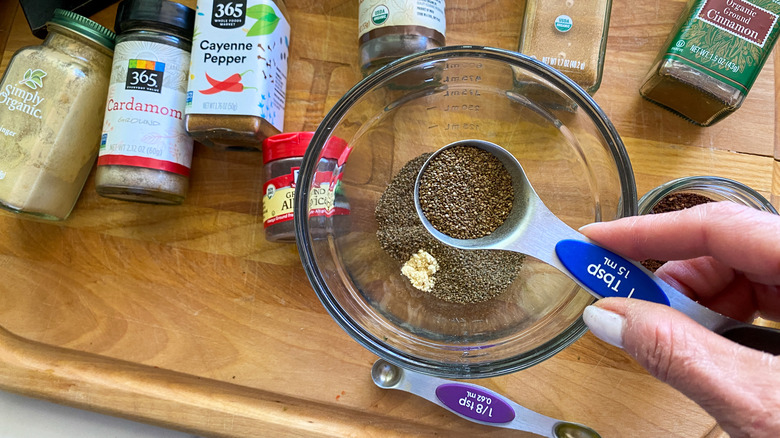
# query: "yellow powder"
419,269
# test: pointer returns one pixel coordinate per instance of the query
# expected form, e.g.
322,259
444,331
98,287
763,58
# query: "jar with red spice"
282,157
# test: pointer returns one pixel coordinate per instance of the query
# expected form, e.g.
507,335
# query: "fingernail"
605,325
585,226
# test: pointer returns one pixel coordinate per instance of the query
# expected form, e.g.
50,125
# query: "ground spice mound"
463,276
673,202
466,192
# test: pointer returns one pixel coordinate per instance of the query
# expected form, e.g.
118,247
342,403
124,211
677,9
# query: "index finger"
741,237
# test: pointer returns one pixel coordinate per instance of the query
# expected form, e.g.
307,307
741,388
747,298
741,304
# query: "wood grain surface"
186,317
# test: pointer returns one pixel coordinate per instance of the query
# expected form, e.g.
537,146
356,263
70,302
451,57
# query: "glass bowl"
570,151
713,187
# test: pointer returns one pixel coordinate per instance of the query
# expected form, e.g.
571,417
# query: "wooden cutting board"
186,317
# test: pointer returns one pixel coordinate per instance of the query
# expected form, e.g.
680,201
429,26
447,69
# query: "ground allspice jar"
282,158
570,36
238,78
712,58
52,99
145,153
391,30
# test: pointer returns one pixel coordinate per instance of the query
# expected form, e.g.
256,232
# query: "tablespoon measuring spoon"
475,403
532,229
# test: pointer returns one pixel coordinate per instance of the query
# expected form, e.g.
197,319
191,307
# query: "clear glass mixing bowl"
573,157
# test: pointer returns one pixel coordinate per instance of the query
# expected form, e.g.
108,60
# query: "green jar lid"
85,27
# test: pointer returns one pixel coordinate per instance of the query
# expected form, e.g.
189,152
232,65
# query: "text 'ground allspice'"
466,192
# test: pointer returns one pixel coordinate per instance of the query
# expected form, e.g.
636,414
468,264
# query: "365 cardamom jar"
52,98
145,152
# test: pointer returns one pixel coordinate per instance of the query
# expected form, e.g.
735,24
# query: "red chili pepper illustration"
231,84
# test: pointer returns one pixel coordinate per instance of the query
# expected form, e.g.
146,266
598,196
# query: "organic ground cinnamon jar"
238,77
712,58
282,158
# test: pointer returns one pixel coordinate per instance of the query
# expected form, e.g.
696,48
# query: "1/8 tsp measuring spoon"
532,229
475,403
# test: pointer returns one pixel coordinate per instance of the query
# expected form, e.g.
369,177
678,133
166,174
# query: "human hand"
728,259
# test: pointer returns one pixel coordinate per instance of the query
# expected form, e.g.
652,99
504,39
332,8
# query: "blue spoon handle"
606,274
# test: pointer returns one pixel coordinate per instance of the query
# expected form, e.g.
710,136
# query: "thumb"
734,384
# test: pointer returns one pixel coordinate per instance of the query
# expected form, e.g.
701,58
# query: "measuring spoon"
475,403
532,229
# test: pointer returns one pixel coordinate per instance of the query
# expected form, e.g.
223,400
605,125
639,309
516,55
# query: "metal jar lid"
175,18
84,26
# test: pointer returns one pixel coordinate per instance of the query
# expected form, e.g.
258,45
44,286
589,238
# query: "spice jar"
282,157
238,77
391,30
570,36
689,191
52,99
712,58
145,153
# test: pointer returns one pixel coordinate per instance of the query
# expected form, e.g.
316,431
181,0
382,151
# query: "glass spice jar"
145,152
712,187
52,99
282,157
689,191
238,77
391,30
712,58
570,36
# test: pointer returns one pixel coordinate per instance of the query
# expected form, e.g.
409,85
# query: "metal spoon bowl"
532,229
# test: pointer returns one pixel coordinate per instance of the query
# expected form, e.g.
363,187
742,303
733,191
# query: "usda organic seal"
379,14
563,23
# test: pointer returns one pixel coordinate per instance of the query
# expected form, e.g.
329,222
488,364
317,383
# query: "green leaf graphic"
267,20
33,78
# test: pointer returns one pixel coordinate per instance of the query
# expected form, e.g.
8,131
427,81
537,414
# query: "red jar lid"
294,144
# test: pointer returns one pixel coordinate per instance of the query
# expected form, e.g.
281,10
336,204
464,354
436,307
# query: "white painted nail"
585,226
605,325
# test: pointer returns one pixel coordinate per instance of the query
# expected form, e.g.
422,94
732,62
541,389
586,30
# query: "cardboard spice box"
38,12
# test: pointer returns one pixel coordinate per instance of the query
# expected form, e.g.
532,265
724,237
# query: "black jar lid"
174,17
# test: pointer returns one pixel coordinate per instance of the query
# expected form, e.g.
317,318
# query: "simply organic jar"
52,98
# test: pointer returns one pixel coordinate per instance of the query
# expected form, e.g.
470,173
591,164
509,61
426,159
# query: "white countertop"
23,417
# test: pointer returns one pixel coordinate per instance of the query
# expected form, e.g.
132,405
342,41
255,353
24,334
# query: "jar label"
374,14
279,198
144,122
239,60
728,40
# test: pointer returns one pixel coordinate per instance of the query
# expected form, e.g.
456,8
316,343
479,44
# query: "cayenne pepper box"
145,153
282,158
712,58
238,76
